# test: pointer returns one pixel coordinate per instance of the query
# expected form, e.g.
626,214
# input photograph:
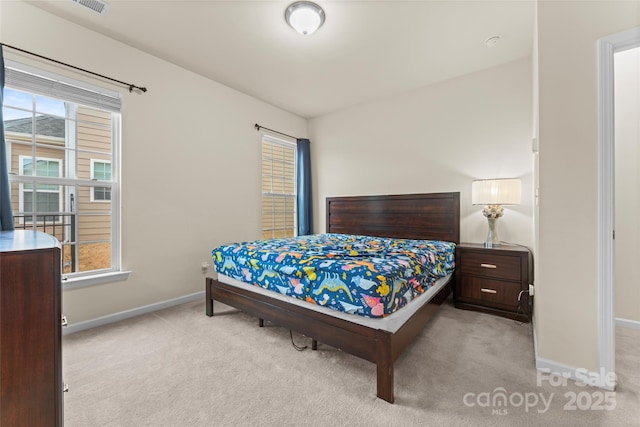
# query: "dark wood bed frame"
433,216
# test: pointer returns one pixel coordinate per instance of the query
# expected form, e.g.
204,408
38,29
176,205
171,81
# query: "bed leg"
260,323
314,344
384,366
385,382
209,299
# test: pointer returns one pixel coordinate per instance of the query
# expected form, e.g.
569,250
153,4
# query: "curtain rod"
258,127
132,87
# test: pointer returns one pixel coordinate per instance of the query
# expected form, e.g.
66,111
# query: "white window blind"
279,197
65,89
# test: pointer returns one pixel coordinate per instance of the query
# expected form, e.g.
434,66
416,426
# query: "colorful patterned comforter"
367,276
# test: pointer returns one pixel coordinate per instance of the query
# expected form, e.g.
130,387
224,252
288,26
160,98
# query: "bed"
434,216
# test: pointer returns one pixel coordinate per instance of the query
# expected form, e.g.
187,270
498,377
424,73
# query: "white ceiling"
364,51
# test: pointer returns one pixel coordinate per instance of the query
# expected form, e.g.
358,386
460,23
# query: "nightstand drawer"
491,265
490,292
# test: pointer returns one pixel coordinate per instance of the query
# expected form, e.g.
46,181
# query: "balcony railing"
62,226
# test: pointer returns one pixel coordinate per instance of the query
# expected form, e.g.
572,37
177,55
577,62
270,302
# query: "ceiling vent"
97,6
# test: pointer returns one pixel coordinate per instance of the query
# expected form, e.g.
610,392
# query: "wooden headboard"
434,216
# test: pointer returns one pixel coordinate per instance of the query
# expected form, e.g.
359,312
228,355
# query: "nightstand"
495,280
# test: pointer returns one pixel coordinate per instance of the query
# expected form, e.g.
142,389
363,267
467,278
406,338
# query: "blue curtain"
6,215
305,208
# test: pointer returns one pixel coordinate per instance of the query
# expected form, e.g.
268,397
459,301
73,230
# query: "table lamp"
493,194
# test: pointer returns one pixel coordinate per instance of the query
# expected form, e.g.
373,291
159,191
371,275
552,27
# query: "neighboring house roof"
45,125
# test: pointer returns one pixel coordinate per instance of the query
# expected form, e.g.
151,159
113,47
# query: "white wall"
627,181
190,161
436,139
566,306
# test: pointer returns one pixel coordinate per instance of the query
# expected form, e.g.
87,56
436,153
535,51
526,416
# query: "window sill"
95,279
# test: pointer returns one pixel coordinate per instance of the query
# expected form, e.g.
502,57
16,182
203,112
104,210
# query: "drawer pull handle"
488,291
488,266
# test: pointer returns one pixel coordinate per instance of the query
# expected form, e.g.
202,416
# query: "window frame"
273,195
96,97
21,194
92,178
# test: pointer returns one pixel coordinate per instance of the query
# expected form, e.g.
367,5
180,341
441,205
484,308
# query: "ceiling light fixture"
304,16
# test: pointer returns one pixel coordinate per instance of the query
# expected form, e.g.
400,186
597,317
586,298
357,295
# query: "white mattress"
391,323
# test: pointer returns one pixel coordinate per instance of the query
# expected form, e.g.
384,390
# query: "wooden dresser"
494,280
30,330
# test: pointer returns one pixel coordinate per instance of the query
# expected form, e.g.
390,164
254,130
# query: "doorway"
627,180
607,48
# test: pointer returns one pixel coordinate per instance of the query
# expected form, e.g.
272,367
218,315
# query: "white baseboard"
626,323
111,318
546,366
600,379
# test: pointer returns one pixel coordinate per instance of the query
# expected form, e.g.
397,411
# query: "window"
48,198
62,148
278,188
100,171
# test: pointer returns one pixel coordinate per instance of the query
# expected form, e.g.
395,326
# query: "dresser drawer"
490,292
491,265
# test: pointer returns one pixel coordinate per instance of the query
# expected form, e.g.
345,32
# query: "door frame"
607,47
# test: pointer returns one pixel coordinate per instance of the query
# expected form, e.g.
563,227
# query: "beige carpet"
178,367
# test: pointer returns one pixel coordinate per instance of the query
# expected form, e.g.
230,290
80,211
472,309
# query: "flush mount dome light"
304,16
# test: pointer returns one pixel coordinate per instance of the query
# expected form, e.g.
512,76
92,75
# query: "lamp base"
492,212
492,236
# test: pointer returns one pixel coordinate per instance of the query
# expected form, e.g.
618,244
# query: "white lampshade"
496,192
304,16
